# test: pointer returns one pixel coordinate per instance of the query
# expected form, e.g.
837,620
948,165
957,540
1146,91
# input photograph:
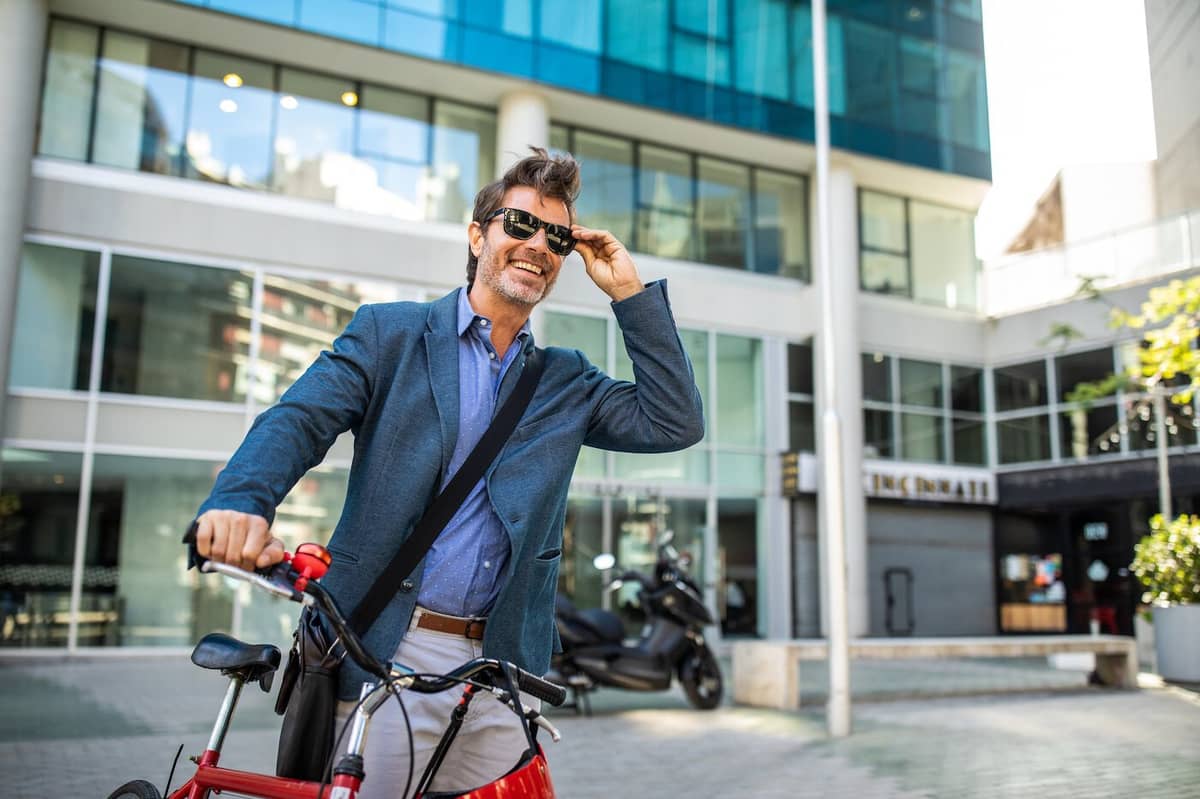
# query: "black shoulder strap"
447,503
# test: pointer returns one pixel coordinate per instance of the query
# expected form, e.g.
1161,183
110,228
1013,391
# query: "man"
418,384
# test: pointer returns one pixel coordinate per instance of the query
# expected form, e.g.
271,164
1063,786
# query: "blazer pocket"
529,429
342,555
550,555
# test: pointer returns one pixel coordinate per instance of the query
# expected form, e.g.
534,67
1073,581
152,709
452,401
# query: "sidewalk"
82,728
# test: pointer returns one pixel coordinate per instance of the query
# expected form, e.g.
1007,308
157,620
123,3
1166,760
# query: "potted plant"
1167,562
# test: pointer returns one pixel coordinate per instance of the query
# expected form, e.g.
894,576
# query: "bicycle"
296,579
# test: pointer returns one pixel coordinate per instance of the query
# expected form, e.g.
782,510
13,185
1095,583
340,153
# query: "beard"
497,275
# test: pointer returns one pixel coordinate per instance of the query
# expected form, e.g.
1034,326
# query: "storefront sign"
1095,531
920,482
929,483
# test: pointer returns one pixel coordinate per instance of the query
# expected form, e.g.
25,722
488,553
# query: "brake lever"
287,591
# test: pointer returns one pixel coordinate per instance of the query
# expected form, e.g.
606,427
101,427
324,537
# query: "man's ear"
475,238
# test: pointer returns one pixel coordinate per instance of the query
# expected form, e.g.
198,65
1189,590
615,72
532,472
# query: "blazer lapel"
441,348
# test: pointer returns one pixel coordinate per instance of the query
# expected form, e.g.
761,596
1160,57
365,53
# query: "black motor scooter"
671,644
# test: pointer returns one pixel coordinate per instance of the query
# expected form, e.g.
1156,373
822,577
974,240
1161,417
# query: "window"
723,213
67,93
393,139
801,423
464,158
1082,367
920,383
140,105
177,330
1021,385
55,315
637,32
665,203
780,225
589,335
884,244
607,173
877,377
229,130
1023,439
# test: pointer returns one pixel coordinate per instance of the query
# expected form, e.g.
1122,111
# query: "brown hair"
554,176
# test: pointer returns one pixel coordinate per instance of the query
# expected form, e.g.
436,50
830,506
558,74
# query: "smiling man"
418,383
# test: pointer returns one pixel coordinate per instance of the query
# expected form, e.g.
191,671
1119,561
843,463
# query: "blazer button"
406,586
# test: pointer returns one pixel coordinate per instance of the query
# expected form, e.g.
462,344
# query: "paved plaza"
79,728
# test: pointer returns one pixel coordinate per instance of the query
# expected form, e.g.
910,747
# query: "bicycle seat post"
217,739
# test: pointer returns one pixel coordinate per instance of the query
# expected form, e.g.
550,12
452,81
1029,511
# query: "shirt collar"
467,317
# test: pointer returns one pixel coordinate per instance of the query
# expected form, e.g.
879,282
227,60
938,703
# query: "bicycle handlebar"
283,581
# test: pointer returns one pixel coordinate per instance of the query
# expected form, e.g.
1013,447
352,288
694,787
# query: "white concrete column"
523,121
847,370
22,42
774,549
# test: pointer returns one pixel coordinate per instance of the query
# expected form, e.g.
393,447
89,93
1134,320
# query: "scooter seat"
604,624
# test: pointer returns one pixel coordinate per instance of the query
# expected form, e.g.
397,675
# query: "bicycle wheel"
137,789
701,678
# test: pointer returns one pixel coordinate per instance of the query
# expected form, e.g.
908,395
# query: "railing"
1043,277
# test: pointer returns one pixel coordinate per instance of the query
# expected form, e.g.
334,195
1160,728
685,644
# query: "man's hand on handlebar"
239,539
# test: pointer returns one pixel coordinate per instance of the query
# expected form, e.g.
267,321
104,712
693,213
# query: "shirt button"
406,586
492,355
483,323
487,564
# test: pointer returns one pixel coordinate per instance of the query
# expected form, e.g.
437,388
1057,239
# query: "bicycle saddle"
252,662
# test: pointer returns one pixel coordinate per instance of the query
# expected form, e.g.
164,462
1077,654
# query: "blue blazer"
392,378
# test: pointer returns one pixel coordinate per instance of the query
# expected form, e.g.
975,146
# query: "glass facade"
917,250
906,79
133,102
676,204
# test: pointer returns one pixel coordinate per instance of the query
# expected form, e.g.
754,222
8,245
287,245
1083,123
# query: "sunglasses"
524,226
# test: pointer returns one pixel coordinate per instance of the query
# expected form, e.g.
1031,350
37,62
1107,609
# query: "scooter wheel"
700,675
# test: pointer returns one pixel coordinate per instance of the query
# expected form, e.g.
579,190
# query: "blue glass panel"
722,213
570,68
281,12
419,35
400,188
802,66
704,17
314,137
606,172
963,34
871,79
511,16
760,45
701,59
434,8
497,52
575,24
967,101
914,17
636,32
393,124
345,19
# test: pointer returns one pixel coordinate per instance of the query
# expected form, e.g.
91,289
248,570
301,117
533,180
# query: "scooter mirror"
604,561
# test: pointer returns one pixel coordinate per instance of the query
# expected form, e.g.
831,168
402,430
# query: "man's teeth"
528,267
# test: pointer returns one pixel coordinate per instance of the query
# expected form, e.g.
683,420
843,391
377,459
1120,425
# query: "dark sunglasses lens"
520,224
559,239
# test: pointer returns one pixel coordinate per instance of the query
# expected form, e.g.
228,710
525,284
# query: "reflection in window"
877,377
921,437
1021,385
1088,432
576,24
943,256
760,45
1082,367
176,330
969,441
39,507
1024,439
309,512
606,171
138,508
739,391
55,315
802,430
583,540
966,389
299,319
140,105
780,228
884,224
737,541
314,140
920,383
877,433
722,213
637,32
393,138
67,94
665,203
229,120
464,158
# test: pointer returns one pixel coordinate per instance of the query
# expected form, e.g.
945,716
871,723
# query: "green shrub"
1167,562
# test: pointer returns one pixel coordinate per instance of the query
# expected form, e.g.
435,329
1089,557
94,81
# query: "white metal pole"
832,500
1160,440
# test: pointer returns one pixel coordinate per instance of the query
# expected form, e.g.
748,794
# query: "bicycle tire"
136,789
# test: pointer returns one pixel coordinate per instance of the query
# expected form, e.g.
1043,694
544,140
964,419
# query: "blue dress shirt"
464,567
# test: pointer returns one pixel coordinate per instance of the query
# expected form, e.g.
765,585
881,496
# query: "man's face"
516,271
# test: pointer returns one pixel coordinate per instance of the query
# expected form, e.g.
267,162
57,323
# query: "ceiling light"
289,102
232,80
350,98
227,105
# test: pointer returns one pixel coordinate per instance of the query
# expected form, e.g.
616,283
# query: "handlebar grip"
542,689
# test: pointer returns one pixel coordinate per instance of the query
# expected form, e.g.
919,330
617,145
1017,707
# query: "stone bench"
767,673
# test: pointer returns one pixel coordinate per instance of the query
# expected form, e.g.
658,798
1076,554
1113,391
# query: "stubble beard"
497,276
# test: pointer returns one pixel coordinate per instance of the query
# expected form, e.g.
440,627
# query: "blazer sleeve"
292,436
661,410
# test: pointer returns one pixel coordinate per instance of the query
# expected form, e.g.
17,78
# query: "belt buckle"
474,629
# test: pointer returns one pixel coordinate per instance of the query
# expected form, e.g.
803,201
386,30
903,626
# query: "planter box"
1177,642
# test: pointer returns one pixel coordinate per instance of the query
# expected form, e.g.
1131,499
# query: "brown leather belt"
454,625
